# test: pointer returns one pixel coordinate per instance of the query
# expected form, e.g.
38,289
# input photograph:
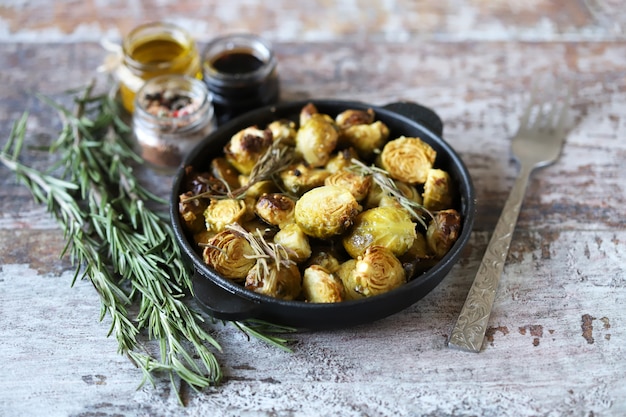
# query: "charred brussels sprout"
275,209
246,147
443,231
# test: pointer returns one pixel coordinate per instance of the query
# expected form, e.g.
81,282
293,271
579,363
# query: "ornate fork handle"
469,331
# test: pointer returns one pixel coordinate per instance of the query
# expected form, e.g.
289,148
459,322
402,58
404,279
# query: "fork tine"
562,119
525,118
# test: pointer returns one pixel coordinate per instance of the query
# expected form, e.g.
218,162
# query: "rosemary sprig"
125,248
275,159
382,179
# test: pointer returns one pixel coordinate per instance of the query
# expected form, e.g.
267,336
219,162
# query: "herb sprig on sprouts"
275,159
382,179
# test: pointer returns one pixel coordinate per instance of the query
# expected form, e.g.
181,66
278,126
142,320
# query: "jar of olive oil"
151,50
240,71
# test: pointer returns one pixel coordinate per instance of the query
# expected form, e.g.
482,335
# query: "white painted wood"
556,340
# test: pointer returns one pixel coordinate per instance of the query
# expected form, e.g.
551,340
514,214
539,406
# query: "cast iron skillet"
227,300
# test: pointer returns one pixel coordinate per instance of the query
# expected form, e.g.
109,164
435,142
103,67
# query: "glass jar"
151,50
240,71
173,113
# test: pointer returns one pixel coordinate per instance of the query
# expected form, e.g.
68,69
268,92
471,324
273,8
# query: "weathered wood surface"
556,340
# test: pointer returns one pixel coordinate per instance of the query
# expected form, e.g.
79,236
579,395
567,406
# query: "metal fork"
537,144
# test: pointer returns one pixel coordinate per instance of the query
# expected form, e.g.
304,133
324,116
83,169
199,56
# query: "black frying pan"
227,300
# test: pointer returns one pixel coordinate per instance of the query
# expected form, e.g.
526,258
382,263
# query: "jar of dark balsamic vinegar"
240,72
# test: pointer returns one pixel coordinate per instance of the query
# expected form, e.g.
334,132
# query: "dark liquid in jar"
237,62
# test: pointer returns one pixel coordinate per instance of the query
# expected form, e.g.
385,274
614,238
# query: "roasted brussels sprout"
408,159
316,139
258,188
377,271
346,274
230,254
443,231
225,172
221,213
283,130
246,147
325,259
326,211
390,227
277,280
437,190
353,117
321,286
292,238
359,185
341,160
300,178
419,258
306,112
275,209
192,212
366,139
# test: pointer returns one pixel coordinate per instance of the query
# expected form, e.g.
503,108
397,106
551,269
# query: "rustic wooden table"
555,343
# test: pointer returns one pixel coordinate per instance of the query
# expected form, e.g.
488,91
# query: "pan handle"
421,114
219,302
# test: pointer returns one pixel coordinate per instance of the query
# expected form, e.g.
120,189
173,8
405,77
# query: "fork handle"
469,331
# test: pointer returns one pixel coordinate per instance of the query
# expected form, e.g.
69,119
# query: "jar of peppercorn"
151,50
172,114
241,73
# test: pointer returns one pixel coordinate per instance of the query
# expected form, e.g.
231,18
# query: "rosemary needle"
126,249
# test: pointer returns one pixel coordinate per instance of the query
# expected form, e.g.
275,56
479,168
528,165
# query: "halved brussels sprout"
246,147
408,159
275,209
377,271
326,211
316,139
359,185
230,254
320,286
437,190
221,213
443,231
278,280
390,227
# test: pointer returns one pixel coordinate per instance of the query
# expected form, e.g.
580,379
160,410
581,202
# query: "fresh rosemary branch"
124,247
